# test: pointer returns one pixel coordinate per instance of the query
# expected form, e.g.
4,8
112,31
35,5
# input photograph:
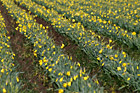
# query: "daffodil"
4,90
62,46
2,70
124,64
68,73
61,91
133,33
64,85
101,51
69,83
50,69
85,78
138,74
61,79
40,62
128,78
17,79
119,68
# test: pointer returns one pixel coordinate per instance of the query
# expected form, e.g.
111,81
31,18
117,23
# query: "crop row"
112,62
125,14
95,23
67,75
8,76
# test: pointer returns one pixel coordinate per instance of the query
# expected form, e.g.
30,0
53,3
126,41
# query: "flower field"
107,32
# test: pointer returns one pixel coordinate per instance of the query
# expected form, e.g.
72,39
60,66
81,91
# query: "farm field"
69,46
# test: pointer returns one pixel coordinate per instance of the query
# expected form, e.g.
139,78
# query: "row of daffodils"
123,13
112,61
67,75
9,81
95,23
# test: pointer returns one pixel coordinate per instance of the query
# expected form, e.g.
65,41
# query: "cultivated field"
69,46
